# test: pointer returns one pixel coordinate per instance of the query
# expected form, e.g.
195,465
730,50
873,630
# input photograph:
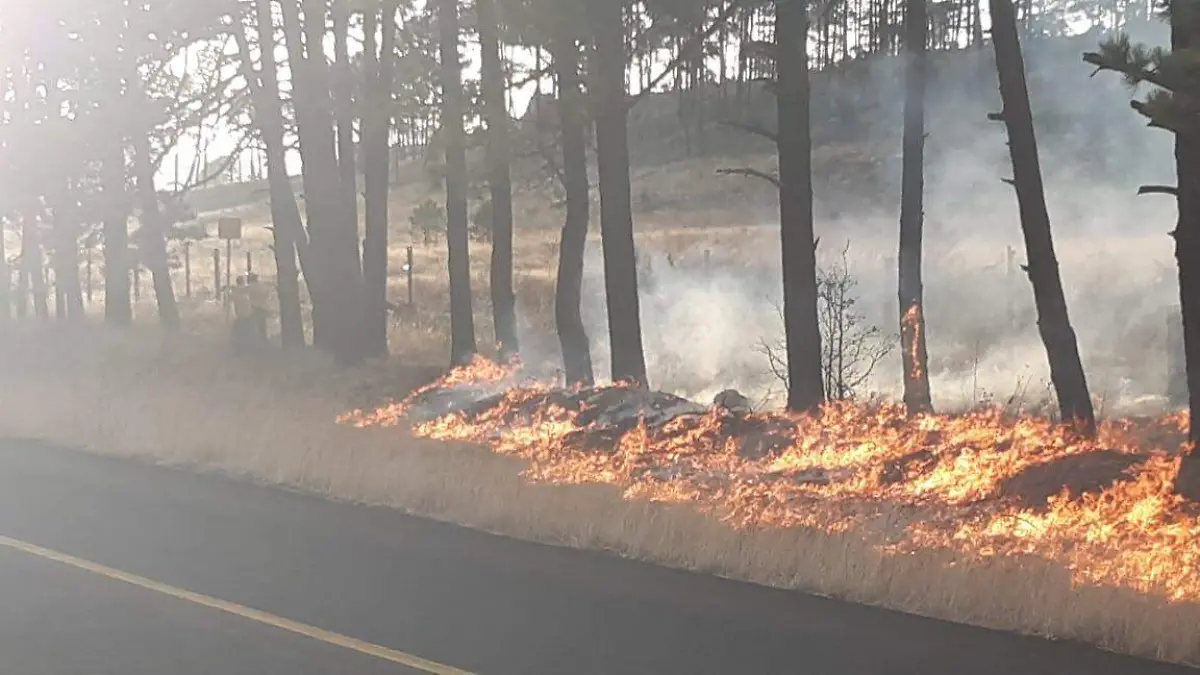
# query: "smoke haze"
703,323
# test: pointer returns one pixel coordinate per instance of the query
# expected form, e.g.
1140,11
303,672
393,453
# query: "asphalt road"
116,568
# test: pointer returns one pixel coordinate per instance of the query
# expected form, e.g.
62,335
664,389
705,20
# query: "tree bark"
806,390
568,292
504,301
32,260
343,102
616,208
379,70
333,236
152,241
1066,367
68,294
1187,253
915,359
462,320
288,227
118,309
5,283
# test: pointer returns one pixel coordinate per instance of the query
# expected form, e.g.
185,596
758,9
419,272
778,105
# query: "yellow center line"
329,637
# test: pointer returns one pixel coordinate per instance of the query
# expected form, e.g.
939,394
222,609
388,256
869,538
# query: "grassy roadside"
181,402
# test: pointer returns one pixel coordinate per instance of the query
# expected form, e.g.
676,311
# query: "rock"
624,407
732,401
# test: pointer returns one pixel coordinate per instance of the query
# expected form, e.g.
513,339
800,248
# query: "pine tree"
1174,105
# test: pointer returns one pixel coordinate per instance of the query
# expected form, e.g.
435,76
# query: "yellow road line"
313,632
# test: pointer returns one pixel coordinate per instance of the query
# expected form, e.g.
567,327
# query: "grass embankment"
182,402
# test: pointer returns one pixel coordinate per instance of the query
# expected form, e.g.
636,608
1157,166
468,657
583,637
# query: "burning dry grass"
982,487
941,517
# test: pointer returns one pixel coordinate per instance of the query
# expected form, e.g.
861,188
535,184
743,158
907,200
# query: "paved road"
469,600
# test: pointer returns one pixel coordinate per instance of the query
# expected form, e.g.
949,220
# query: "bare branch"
751,173
1158,190
687,51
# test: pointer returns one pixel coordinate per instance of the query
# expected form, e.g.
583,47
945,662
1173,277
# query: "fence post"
217,290
228,263
408,272
187,268
89,275
249,264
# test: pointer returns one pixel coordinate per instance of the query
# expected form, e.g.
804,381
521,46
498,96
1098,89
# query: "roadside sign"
229,228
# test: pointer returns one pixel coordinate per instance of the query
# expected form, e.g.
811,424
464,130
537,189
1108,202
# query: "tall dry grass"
185,402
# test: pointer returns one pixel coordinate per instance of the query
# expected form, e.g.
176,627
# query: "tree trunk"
118,310
1066,368
568,292
379,70
32,260
806,391
22,305
1187,252
616,207
288,228
913,352
68,294
152,243
343,103
462,320
5,283
333,237
504,301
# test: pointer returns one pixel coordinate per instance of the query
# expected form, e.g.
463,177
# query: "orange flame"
982,484
912,324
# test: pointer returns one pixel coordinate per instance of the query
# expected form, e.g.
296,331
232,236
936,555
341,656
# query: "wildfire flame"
982,483
912,323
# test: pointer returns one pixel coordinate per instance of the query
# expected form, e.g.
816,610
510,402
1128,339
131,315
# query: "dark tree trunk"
375,136
806,391
118,309
1066,368
462,320
288,228
343,101
5,284
568,292
504,301
22,303
913,353
32,260
152,243
1187,252
333,237
68,293
616,207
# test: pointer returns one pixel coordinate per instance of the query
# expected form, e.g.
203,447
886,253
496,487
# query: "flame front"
982,484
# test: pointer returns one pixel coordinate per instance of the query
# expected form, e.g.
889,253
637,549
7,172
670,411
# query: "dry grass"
180,401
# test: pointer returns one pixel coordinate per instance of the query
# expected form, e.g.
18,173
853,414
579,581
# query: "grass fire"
982,483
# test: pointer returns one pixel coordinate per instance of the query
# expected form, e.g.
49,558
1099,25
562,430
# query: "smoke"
704,314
